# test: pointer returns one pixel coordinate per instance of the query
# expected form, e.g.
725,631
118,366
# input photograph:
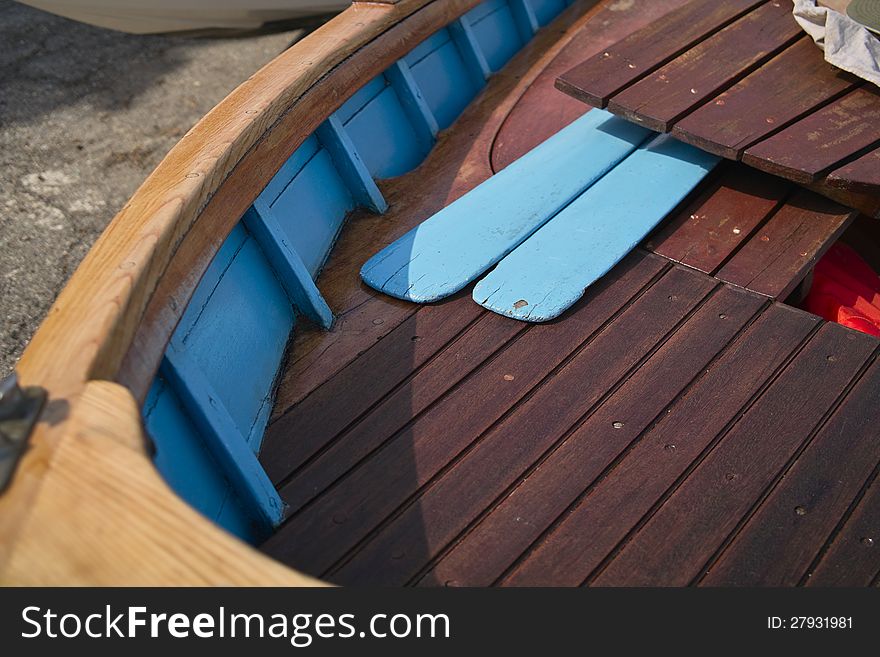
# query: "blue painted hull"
211,400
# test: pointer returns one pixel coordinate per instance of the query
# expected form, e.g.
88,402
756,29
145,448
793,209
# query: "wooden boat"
229,403
188,16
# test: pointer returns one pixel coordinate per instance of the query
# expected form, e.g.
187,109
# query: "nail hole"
799,510
617,425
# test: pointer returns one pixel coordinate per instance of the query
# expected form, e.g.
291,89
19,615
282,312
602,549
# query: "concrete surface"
85,115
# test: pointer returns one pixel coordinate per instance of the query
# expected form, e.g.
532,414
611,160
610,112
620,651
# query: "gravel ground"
85,115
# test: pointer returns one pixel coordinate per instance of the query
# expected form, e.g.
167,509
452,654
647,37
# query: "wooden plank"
548,413
661,98
480,342
457,244
781,539
564,554
853,558
324,531
548,273
709,229
674,544
862,175
605,74
298,434
226,443
808,149
789,86
553,416
262,223
785,248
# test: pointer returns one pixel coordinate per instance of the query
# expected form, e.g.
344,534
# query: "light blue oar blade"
552,269
461,241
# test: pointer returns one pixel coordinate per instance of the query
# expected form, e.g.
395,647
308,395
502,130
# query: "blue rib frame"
324,179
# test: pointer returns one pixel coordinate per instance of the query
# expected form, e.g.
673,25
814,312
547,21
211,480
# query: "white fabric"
848,45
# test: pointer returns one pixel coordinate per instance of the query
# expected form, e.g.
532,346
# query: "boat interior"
687,421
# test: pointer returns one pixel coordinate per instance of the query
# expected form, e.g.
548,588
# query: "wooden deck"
680,425
670,430
742,80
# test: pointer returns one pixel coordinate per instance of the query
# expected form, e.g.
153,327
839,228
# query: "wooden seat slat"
786,247
661,98
806,150
601,76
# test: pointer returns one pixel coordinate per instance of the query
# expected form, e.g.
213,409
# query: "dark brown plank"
568,553
789,86
853,558
674,545
806,150
310,425
785,248
661,98
713,226
780,541
511,448
479,558
317,537
482,339
861,175
603,75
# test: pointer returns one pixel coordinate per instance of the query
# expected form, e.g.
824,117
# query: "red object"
846,290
